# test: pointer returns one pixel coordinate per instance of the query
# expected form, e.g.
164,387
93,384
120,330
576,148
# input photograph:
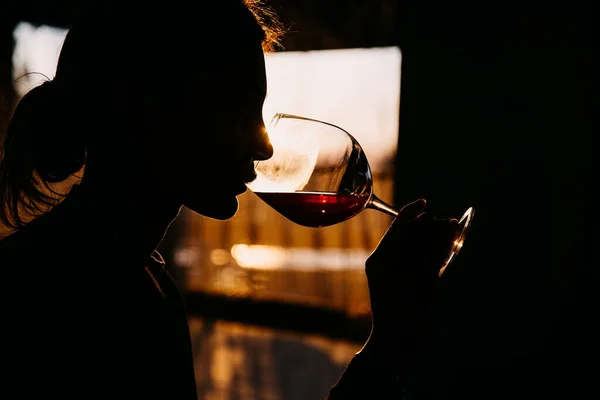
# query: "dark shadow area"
496,114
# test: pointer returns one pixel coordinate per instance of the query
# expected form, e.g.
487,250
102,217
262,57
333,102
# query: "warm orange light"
298,258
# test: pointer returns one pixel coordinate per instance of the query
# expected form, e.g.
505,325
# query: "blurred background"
490,111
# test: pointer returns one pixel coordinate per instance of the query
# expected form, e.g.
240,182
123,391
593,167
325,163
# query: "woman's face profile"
203,152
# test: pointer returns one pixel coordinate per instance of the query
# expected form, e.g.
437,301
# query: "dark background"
496,107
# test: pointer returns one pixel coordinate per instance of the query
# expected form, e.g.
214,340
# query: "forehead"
243,71
252,68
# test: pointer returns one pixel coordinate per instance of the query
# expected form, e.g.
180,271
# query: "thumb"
407,214
410,211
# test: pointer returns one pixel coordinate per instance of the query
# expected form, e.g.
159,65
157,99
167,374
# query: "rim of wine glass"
279,116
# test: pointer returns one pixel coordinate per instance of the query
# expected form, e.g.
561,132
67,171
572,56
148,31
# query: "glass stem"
377,204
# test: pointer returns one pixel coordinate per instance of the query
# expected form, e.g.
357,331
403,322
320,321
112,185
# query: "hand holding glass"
319,176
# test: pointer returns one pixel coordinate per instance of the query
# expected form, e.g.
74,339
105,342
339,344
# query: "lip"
249,176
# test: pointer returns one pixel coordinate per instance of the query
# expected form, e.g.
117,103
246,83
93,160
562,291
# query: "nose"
264,150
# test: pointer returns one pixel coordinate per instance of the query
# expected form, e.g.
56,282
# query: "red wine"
314,209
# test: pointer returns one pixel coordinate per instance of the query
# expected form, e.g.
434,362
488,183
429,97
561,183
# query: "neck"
135,215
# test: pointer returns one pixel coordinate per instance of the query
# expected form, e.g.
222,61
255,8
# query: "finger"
393,234
408,213
411,211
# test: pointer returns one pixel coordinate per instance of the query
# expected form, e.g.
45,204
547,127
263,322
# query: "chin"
222,208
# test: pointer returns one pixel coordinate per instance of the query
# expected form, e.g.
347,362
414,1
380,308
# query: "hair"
44,144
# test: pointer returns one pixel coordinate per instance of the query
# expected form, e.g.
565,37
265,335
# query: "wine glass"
319,176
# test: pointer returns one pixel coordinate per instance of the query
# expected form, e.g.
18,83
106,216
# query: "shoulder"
38,238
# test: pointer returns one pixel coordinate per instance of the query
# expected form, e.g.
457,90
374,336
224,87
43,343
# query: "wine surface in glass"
314,209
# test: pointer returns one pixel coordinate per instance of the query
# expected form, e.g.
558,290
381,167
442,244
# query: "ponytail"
41,148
